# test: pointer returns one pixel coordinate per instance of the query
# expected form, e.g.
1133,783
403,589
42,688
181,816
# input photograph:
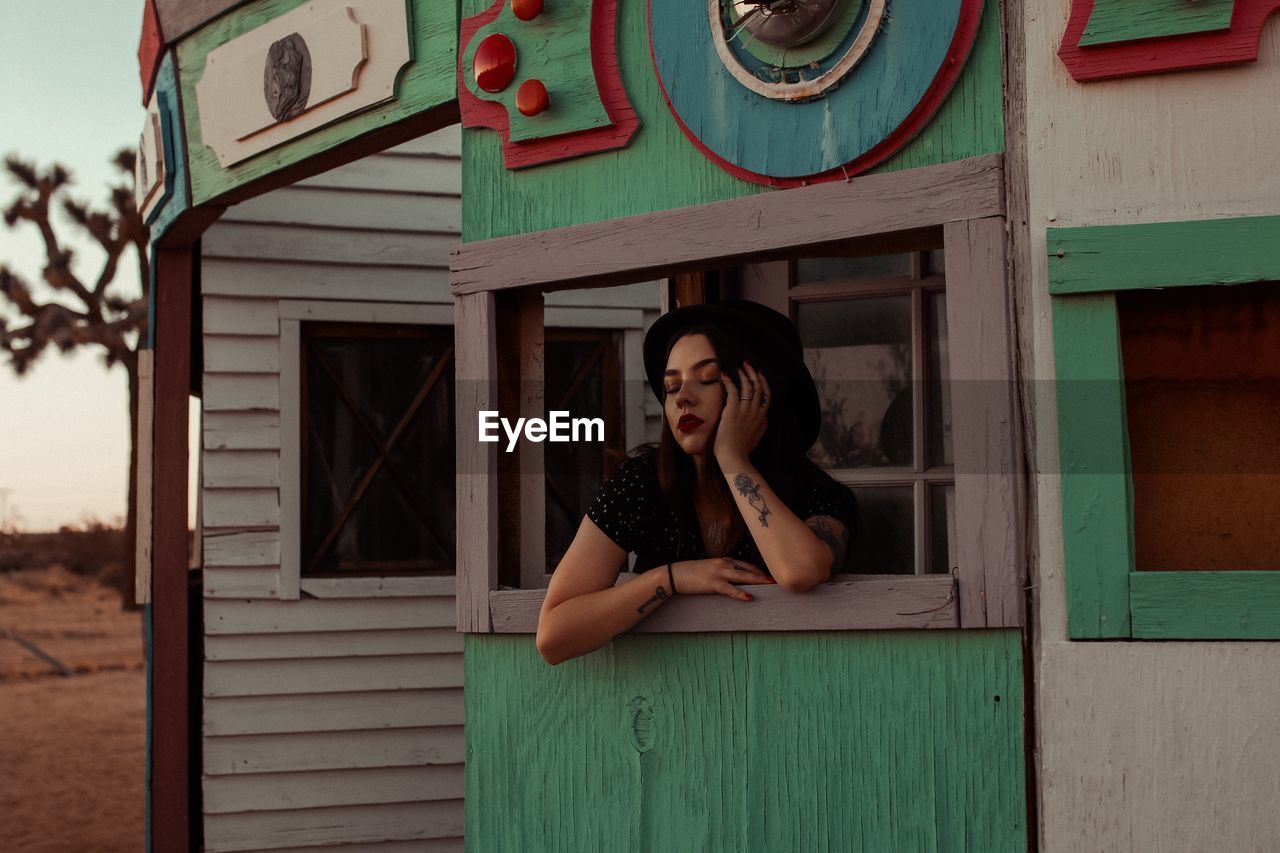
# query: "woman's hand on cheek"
743,422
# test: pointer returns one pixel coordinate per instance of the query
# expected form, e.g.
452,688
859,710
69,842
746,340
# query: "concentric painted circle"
919,49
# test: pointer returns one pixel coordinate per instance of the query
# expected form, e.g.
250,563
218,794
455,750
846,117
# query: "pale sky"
69,74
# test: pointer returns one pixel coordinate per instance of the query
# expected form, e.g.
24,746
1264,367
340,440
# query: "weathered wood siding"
334,720
1143,746
902,741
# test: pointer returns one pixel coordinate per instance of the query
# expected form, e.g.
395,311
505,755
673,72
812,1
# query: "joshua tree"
74,312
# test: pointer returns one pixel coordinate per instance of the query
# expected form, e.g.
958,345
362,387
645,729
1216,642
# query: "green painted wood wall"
662,170
849,741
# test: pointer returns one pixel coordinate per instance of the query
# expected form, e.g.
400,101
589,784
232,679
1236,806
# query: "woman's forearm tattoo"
837,541
748,488
660,594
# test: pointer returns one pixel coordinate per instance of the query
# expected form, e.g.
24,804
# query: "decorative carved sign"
558,93
287,77
149,166
1128,38
315,64
788,94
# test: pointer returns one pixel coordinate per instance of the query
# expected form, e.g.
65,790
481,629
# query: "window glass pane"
935,262
942,528
885,541
859,351
370,389
581,377
1202,381
815,270
938,416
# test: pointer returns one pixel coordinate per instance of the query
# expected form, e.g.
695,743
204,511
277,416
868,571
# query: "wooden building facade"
997,228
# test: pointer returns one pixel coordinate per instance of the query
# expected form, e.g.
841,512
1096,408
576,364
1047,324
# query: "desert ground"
72,747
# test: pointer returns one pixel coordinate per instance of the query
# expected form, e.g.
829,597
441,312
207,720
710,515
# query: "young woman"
727,498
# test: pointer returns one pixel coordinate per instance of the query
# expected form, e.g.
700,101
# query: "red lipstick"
688,423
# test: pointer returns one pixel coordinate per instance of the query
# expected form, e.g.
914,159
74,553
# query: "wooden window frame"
292,314
1107,598
497,284
917,284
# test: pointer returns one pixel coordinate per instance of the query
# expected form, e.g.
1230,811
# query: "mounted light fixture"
782,23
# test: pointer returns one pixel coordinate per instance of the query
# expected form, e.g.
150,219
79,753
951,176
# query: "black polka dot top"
632,511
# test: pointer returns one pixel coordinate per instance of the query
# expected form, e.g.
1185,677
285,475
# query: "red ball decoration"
495,63
532,98
526,10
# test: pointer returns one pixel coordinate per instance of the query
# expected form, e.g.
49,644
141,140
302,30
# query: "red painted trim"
150,49
1168,53
952,65
170,695
604,62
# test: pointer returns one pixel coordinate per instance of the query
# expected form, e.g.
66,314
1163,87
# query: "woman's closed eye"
672,389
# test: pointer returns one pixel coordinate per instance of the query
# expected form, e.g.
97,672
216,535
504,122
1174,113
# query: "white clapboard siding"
422,641
241,507
325,208
241,430
241,392
241,581
243,469
225,548
263,242
230,277
434,845
330,675
332,712
334,614
346,825
426,176
241,354
240,316
309,790
278,753
329,723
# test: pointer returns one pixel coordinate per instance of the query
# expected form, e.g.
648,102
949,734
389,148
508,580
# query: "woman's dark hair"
781,460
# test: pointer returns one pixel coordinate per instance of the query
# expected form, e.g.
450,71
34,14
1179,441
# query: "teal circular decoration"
773,138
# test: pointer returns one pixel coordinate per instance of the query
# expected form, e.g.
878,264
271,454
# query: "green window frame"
1106,597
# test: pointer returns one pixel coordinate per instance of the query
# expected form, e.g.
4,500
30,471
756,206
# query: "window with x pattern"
378,454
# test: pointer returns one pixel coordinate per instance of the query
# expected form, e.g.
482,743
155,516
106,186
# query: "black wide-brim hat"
758,330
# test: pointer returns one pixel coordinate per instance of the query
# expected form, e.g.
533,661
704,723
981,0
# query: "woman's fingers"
731,393
725,588
766,394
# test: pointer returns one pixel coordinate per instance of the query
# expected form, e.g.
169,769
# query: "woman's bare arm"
583,609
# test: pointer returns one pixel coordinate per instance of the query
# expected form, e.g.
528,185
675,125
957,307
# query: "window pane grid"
929,483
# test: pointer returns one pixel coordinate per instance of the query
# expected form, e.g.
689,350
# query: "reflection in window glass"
815,270
939,415
942,528
885,542
859,352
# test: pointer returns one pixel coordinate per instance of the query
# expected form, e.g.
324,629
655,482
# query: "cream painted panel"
357,47
1169,747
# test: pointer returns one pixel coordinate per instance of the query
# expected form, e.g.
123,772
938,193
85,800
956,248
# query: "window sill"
419,587
871,602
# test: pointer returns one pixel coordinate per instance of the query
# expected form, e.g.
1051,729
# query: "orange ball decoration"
532,97
526,10
494,65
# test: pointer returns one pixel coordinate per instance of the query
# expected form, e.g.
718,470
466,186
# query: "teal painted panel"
1130,20
1093,453
177,199
893,741
429,81
1164,254
1205,605
662,170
